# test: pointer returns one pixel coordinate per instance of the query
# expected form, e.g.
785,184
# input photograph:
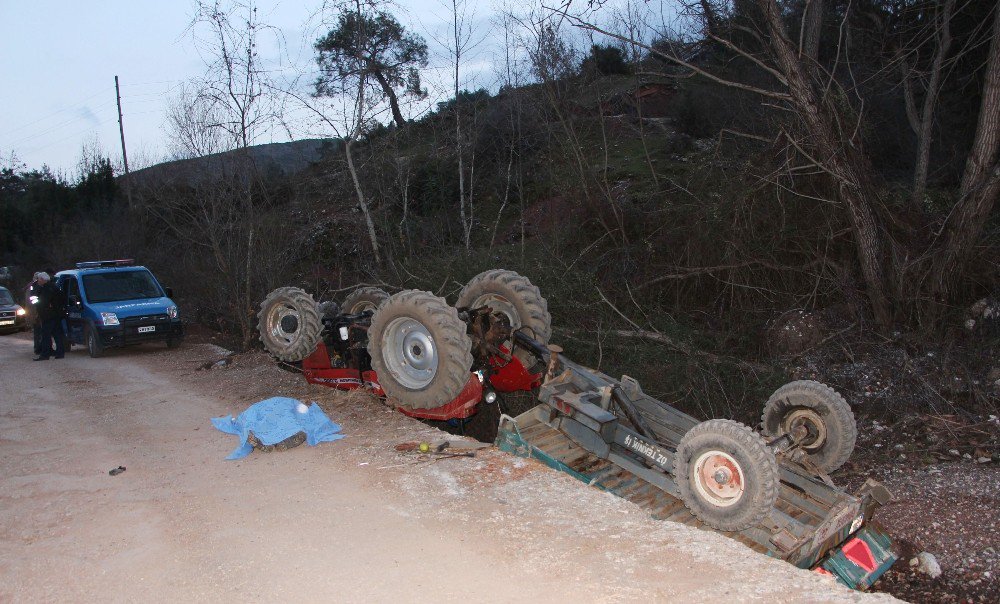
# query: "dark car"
12,316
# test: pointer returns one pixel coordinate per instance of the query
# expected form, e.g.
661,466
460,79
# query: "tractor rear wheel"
830,428
726,475
362,299
289,324
513,295
420,350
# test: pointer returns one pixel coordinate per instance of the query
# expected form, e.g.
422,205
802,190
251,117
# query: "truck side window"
71,288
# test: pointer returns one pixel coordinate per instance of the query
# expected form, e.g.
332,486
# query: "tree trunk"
361,200
390,94
926,123
980,181
812,25
844,163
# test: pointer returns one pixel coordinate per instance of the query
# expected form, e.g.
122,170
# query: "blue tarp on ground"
275,419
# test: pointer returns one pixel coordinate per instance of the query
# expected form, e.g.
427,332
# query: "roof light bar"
105,263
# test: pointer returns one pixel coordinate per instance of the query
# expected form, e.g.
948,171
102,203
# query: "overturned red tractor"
769,489
432,360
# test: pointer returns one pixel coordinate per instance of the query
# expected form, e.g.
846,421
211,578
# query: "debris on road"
278,423
926,563
116,471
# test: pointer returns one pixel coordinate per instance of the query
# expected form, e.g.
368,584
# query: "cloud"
84,113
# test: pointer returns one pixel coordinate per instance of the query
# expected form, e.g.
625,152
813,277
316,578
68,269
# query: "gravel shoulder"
353,520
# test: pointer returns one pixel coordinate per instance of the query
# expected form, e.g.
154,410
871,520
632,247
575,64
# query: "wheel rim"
409,353
361,306
501,304
718,478
813,423
283,323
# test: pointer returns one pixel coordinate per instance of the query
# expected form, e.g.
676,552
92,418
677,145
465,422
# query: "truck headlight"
21,312
172,312
109,318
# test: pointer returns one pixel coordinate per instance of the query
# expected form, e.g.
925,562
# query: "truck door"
74,308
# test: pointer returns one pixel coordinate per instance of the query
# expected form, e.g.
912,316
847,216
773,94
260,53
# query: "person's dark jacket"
51,302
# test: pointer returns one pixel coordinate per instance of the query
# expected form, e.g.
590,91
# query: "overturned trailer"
769,489
766,492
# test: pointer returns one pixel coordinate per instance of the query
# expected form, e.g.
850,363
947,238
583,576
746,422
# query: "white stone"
927,564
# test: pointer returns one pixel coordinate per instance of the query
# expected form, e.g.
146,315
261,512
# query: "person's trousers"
52,330
37,332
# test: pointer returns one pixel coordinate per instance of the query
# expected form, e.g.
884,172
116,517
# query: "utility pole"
121,130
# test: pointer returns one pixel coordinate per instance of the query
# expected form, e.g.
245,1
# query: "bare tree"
980,186
922,122
194,124
236,86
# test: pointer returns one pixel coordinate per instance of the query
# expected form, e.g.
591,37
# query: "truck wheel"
289,443
289,324
94,347
831,429
364,298
726,475
419,349
512,294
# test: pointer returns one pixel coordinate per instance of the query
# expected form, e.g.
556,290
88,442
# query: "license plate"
147,329
10,322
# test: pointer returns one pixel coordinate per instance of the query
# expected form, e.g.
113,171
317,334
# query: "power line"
76,105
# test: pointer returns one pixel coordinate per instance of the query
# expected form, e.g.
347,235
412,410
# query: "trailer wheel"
831,431
726,475
515,296
289,443
419,349
289,324
364,298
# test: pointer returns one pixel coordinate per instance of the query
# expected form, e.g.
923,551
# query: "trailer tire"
362,299
289,324
833,429
289,443
515,296
420,350
742,459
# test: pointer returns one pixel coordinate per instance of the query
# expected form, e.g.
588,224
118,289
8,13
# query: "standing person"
51,308
31,303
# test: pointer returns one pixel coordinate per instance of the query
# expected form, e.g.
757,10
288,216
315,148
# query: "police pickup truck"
113,303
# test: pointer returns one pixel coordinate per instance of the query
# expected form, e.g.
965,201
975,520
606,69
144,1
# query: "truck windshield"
118,286
5,297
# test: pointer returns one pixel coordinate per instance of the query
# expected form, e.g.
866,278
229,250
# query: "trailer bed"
813,524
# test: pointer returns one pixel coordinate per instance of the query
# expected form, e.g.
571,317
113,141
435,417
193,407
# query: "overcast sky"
58,59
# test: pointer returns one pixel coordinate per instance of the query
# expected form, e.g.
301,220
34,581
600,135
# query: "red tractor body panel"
506,376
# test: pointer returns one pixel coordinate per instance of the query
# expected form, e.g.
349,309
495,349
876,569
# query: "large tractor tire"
289,324
420,350
831,428
512,294
726,475
362,299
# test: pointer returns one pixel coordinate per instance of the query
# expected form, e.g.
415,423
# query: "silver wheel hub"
283,323
410,353
718,478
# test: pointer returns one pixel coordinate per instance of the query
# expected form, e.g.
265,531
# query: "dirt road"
348,521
